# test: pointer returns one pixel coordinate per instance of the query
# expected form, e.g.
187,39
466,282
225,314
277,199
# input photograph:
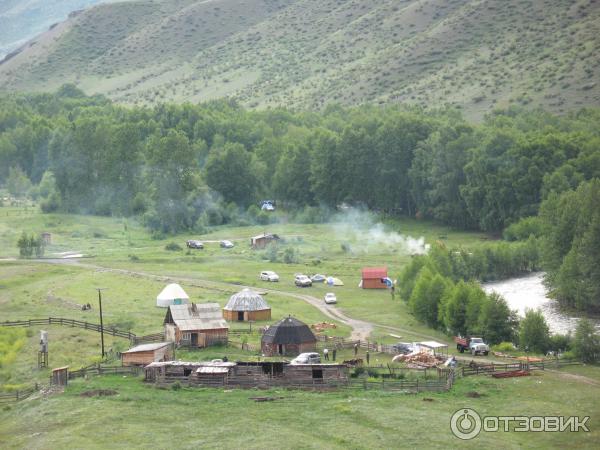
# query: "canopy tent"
172,294
332,281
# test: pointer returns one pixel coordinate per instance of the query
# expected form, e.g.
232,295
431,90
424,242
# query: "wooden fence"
112,331
18,395
104,370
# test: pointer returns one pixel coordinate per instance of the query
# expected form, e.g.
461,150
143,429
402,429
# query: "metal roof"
191,363
432,344
212,369
196,316
147,347
374,272
288,331
246,300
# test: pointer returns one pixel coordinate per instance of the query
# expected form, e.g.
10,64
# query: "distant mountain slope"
304,53
20,20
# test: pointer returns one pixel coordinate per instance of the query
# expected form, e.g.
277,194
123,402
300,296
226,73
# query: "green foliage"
30,245
427,296
11,341
17,182
534,335
570,246
586,342
523,229
173,247
291,255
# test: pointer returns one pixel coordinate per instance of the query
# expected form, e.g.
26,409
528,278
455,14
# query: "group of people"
326,354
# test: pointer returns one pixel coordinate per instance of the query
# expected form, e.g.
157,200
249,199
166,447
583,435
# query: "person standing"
326,354
355,350
367,357
334,352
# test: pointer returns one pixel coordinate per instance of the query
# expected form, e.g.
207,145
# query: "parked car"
473,344
302,281
307,358
318,278
226,244
330,298
194,244
268,275
267,205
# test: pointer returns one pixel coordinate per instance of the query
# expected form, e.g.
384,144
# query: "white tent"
172,294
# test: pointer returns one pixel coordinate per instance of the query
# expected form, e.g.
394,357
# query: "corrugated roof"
147,347
288,331
246,300
374,272
197,316
192,364
212,370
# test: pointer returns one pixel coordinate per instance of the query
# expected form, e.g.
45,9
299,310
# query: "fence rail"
104,370
17,395
109,330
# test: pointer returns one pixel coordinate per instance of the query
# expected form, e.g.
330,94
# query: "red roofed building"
372,277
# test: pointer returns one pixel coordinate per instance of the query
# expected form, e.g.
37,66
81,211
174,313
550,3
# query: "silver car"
307,358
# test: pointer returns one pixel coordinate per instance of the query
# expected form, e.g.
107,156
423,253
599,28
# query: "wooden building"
288,337
47,238
142,355
262,240
373,278
247,305
60,376
248,374
196,325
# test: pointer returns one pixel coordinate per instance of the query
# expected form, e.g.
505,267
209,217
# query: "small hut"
47,238
288,337
196,325
246,305
373,278
262,240
144,354
172,294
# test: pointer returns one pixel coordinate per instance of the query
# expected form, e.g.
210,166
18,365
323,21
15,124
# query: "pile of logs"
421,360
318,327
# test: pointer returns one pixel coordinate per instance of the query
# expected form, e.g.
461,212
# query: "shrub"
521,230
504,347
173,247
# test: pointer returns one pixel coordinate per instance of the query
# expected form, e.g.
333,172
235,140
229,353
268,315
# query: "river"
529,292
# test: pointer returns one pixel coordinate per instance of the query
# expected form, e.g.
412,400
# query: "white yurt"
172,294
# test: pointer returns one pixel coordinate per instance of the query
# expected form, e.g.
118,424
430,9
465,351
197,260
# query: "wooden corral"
142,355
288,337
247,374
196,325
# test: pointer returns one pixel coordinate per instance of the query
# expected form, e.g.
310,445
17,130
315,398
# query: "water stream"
529,292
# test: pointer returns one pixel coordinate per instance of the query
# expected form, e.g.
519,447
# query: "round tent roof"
288,331
246,300
172,294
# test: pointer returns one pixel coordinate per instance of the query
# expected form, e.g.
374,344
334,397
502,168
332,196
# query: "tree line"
186,166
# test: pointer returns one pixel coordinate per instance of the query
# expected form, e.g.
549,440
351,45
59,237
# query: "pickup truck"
473,344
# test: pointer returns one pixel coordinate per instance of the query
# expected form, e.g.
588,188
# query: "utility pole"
101,322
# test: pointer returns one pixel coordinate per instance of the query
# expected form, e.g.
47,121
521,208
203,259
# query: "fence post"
17,395
417,385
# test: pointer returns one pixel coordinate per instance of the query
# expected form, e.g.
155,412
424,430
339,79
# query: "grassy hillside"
22,20
475,53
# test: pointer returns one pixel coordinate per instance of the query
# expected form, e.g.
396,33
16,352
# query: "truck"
475,345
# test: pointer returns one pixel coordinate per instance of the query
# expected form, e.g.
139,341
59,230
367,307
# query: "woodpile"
319,327
421,360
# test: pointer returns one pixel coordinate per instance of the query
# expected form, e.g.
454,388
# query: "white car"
268,275
302,281
226,244
330,298
307,358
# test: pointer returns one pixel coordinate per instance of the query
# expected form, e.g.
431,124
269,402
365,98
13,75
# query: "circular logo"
465,424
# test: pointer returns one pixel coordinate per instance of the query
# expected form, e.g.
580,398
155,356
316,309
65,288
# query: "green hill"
474,53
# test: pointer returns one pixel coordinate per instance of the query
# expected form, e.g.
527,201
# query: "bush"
173,247
176,386
521,230
290,255
504,347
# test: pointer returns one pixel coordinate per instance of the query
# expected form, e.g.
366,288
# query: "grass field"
122,257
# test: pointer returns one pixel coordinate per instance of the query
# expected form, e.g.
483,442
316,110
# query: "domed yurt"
246,305
172,294
288,337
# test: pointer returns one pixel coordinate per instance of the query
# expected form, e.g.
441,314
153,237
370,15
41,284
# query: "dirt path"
574,377
360,329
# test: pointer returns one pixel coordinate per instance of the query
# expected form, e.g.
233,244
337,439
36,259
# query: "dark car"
403,348
194,244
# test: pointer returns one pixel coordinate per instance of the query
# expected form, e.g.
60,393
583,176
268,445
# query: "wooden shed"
60,376
196,325
247,305
262,240
373,278
288,337
142,355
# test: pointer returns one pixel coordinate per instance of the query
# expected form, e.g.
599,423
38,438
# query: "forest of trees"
185,167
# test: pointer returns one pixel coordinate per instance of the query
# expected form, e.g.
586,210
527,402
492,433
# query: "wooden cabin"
372,278
246,305
288,337
196,325
262,240
142,355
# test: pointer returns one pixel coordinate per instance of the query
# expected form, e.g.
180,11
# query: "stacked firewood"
421,360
